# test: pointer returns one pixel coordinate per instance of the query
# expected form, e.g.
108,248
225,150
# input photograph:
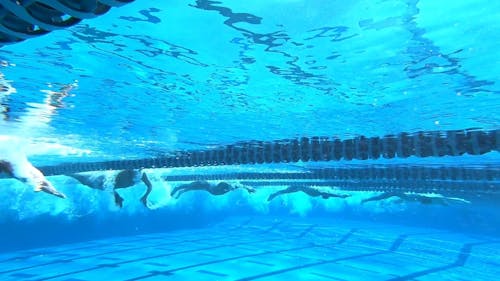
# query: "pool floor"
260,248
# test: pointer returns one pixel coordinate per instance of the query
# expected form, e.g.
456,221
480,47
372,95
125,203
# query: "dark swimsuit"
6,167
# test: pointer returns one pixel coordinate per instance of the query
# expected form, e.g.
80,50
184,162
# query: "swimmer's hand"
48,188
38,180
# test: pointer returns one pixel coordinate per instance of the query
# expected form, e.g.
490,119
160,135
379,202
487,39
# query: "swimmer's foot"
368,200
144,201
175,195
271,197
118,199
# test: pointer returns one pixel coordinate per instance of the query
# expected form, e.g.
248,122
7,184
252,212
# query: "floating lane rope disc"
403,145
21,20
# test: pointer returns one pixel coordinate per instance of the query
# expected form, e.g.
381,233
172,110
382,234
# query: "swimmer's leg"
276,194
328,195
290,189
147,182
182,191
92,181
197,185
248,189
118,199
177,189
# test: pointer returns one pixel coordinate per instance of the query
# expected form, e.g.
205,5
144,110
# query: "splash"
84,201
29,132
20,138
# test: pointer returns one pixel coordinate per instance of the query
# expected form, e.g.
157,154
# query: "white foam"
12,152
11,146
83,201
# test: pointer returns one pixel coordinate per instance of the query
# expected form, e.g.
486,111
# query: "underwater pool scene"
249,140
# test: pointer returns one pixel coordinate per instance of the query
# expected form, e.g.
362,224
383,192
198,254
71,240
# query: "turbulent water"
147,80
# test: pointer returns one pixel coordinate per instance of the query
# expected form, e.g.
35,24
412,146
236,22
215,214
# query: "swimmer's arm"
247,188
383,196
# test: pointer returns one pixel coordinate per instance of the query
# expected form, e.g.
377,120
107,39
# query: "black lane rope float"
402,145
388,172
24,19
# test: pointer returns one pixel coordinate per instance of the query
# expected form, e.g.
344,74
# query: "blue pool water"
186,91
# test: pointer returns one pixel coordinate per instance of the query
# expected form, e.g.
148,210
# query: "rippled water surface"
150,79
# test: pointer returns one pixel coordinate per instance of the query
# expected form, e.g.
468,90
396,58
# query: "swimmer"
215,189
23,171
309,190
122,179
426,199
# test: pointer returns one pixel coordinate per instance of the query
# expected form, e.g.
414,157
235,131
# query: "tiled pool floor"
267,249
